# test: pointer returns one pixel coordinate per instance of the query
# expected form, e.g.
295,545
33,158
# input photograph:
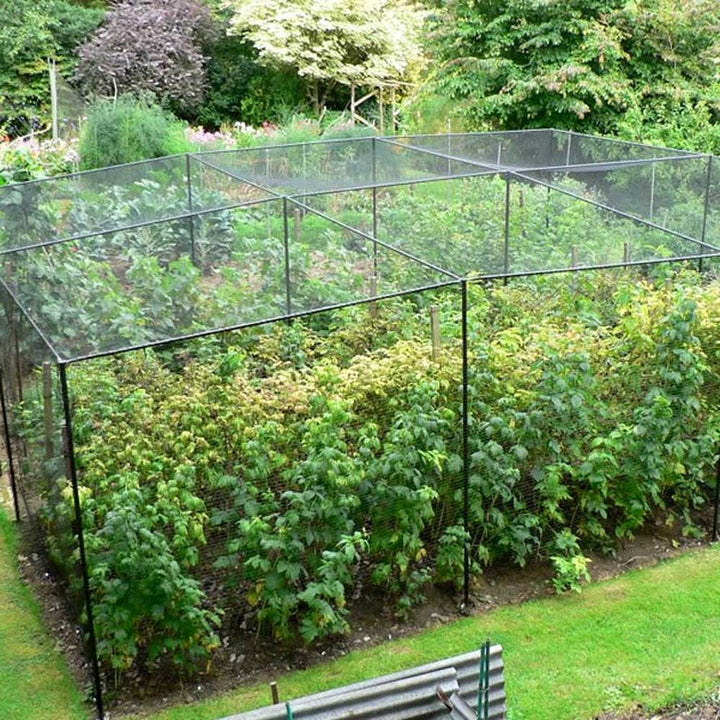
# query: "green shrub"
129,129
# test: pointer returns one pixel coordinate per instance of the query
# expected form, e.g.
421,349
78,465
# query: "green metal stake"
481,682
487,680
289,711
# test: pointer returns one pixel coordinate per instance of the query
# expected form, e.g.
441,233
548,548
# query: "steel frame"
298,200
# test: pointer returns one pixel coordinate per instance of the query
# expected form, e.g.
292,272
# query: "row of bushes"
271,474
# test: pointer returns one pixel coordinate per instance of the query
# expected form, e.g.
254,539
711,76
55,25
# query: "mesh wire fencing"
270,382
313,466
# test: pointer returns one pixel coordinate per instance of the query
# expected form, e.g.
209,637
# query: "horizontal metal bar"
590,268
135,226
605,165
443,156
579,167
380,185
610,209
255,323
373,239
84,173
471,134
256,148
631,143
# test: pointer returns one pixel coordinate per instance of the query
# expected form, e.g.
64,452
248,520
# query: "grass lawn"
34,681
650,636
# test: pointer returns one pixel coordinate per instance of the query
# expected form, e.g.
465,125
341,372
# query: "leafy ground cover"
310,464
262,481
34,681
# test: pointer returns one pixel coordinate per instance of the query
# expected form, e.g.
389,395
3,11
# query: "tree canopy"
328,42
34,32
580,63
149,45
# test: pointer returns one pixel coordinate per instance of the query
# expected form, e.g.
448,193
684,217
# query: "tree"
330,42
34,32
150,45
579,63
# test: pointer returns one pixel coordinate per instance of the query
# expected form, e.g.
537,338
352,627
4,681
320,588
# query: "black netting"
551,230
667,193
300,170
535,149
285,427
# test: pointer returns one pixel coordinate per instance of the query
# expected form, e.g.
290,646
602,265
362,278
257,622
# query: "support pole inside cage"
465,445
506,244
191,223
8,448
374,206
286,240
708,178
70,450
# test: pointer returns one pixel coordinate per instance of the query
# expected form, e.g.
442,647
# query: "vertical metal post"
626,253
652,191
8,447
506,249
547,209
373,294
449,148
286,233
499,153
465,443
705,210
716,514
18,363
374,206
81,542
435,333
191,224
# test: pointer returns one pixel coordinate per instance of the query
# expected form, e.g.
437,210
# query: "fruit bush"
271,475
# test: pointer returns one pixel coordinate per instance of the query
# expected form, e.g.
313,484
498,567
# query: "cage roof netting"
109,260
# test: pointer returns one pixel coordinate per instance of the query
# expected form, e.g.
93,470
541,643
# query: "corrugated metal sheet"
406,695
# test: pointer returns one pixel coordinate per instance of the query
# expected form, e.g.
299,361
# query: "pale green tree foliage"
350,42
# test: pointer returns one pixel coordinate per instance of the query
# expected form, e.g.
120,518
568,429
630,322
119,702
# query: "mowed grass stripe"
34,681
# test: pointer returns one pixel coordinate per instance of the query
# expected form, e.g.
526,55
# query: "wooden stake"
574,254
435,333
626,253
274,692
373,293
53,98
48,410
